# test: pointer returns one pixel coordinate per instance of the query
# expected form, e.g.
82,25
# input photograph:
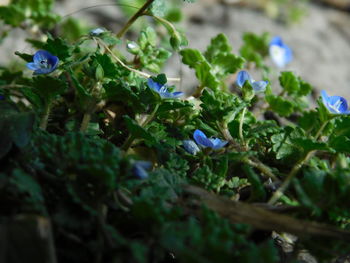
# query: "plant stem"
295,170
276,196
151,116
131,138
318,134
143,74
241,126
261,167
85,122
139,13
45,117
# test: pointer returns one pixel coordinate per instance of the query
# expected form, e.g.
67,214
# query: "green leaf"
137,131
24,56
48,88
255,48
158,8
340,144
310,145
283,143
281,106
110,69
294,85
258,190
219,45
58,47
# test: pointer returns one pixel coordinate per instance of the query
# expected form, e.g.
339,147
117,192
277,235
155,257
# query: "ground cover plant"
128,168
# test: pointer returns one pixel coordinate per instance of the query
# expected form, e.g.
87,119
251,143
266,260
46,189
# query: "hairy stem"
85,122
139,13
131,138
295,170
45,117
241,126
142,74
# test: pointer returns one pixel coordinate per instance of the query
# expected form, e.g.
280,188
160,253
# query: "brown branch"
238,212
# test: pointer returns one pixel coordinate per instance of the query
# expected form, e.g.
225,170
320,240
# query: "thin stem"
85,122
276,196
165,22
318,134
143,74
45,117
131,138
151,116
241,125
261,167
139,13
295,170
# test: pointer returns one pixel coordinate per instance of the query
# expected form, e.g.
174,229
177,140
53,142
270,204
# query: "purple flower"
191,147
335,104
280,53
203,140
140,168
162,90
43,62
258,86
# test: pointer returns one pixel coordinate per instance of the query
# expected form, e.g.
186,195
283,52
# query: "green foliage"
255,48
215,64
16,127
39,12
108,128
148,55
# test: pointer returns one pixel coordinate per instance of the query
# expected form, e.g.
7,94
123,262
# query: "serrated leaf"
58,47
280,105
340,144
48,87
310,145
110,69
219,45
283,145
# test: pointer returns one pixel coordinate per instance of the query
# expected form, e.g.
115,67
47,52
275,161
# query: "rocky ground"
320,42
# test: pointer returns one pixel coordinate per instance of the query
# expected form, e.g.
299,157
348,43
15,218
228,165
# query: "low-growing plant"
128,168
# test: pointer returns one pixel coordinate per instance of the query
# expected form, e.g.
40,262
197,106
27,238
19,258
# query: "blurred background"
317,31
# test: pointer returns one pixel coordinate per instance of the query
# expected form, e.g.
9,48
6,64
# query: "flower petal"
217,143
177,94
154,85
41,55
259,86
139,169
32,66
202,139
191,147
242,77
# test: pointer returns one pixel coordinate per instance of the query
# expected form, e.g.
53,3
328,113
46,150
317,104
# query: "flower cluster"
280,53
258,86
162,90
43,62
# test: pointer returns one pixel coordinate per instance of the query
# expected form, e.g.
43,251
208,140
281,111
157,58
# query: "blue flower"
191,147
96,31
335,104
280,53
140,168
43,62
203,140
162,90
258,86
